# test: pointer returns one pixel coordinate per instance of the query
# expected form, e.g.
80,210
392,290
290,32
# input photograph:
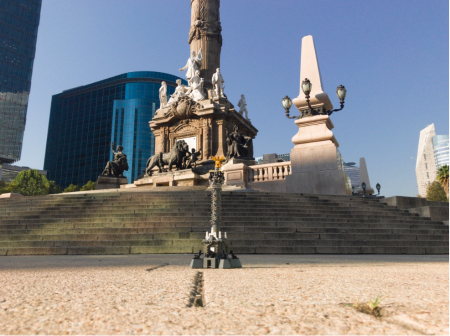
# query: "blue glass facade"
85,120
440,148
19,21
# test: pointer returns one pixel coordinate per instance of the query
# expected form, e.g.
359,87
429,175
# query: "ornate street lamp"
306,86
287,103
363,186
378,186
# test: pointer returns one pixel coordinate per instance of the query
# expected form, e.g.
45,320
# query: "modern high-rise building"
272,158
425,162
19,21
352,172
440,148
431,155
84,121
9,172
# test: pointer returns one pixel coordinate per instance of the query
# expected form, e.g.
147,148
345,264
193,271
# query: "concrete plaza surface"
271,294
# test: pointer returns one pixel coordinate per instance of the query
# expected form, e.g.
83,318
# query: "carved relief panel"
186,129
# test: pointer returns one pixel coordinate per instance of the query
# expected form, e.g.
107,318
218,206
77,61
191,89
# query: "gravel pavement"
271,294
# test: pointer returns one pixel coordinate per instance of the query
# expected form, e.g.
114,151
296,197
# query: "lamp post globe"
286,102
306,87
341,92
378,186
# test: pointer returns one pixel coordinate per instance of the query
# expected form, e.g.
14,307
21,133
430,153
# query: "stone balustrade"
269,172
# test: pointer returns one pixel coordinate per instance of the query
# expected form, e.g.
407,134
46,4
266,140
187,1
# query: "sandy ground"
272,294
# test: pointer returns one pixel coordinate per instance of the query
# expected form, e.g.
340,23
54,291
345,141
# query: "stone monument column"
314,158
364,177
206,33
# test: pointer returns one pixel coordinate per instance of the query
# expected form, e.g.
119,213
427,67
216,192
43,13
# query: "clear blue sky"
392,56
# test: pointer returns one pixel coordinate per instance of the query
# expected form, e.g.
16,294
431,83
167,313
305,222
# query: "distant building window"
426,166
425,156
428,176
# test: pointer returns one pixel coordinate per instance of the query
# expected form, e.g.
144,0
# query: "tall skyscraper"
19,21
425,162
352,172
85,120
440,148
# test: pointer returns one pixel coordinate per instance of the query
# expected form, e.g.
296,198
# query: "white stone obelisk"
314,159
309,68
364,177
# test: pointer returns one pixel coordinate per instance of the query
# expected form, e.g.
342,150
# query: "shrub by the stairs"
88,186
54,188
4,187
30,183
72,188
436,192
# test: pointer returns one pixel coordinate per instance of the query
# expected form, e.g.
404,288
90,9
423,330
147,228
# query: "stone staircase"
166,221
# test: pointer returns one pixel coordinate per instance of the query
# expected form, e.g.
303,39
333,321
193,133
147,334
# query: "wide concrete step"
187,197
226,217
175,222
412,249
207,208
110,250
235,244
158,223
262,229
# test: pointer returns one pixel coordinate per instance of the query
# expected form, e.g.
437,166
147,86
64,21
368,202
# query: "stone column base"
110,182
369,190
181,178
314,159
326,182
235,174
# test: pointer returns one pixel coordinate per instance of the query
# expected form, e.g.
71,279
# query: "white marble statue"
197,87
180,91
217,81
193,64
163,95
243,107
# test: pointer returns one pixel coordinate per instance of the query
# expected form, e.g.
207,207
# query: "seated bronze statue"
116,168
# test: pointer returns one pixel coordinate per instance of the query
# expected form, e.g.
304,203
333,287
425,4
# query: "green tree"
436,192
54,188
72,188
88,186
4,187
442,177
30,183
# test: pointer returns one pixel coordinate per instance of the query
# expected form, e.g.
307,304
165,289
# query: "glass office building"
352,172
440,149
19,21
84,121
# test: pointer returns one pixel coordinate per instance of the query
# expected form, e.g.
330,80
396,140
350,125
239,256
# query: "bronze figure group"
179,156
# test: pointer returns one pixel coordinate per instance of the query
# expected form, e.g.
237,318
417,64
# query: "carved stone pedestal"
184,178
314,159
110,182
203,125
